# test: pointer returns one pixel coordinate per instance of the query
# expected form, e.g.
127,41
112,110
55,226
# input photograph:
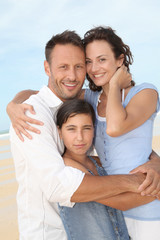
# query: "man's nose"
72,74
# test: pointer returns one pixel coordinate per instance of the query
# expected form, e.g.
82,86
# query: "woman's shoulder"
144,85
143,88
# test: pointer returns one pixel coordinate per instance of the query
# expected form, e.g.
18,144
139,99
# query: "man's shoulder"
44,99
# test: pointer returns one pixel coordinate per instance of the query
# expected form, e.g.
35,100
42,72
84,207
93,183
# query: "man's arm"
123,201
16,112
94,188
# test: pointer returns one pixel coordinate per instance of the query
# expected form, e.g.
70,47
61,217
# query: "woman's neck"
105,89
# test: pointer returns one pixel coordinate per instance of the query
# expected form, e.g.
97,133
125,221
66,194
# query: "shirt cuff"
69,179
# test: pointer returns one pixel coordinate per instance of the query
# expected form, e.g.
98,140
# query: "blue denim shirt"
93,221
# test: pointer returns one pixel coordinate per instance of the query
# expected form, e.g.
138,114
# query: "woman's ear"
120,60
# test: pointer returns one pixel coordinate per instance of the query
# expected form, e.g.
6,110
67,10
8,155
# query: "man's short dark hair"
66,37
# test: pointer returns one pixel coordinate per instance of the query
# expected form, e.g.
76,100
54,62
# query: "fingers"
137,169
21,128
21,131
151,185
19,134
32,120
26,126
31,109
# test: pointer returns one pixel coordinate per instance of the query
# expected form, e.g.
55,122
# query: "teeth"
98,75
69,85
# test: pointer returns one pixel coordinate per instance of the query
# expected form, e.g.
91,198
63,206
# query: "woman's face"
77,133
101,62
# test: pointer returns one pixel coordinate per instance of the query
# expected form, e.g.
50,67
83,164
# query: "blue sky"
26,26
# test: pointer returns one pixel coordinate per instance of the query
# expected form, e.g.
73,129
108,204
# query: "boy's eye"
88,128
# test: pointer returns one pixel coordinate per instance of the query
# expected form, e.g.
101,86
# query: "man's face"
66,71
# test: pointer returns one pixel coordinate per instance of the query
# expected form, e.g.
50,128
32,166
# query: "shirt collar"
49,97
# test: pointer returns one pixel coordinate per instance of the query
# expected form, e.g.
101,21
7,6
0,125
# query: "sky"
27,25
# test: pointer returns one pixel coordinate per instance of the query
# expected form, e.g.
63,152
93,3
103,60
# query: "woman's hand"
20,121
121,77
151,185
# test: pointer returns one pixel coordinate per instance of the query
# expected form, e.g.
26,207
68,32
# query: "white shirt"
42,176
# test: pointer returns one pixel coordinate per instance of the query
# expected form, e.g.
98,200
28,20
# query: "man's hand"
16,113
151,185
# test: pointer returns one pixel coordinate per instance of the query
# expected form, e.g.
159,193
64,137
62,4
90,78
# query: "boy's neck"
78,158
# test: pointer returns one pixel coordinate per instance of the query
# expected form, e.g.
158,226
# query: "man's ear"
47,68
120,60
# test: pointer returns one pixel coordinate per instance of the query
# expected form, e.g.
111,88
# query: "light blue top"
121,154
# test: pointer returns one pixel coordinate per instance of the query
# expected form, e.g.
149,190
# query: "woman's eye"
88,62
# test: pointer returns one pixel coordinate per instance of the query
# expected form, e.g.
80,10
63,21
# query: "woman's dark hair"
116,43
71,108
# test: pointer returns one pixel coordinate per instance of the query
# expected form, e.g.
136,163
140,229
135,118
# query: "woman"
75,121
126,112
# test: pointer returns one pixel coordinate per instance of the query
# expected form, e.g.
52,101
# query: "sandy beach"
8,189
8,186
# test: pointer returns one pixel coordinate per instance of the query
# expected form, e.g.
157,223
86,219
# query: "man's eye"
102,59
79,66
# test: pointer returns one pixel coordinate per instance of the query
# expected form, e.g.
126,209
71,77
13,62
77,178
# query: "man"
43,178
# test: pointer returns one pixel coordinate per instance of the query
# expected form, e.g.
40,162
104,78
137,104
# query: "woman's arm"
122,201
125,201
121,120
16,112
151,185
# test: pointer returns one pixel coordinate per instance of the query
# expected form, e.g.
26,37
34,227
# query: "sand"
8,189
